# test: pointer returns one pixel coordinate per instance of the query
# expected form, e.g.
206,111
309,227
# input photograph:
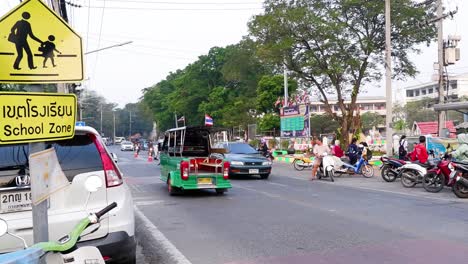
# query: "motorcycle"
326,167
413,173
441,175
390,168
300,163
59,252
361,167
460,187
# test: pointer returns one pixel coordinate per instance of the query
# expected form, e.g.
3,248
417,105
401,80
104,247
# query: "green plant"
255,143
285,144
272,143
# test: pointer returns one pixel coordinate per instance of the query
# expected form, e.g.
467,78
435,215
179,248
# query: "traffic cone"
150,158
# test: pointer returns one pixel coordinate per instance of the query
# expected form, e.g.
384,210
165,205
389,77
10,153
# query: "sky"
168,35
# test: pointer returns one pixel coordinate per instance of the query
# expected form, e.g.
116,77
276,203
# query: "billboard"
295,121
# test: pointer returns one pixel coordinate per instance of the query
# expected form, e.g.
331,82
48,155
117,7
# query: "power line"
87,30
183,3
173,9
99,39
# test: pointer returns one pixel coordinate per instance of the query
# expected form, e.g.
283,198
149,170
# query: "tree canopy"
337,46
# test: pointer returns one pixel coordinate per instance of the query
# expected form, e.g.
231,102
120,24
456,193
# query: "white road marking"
143,203
385,191
175,255
277,184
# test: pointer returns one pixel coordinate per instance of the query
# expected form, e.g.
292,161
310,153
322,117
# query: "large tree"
337,46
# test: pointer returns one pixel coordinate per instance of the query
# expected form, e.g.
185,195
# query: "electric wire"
99,40
172,9
183,3
87,30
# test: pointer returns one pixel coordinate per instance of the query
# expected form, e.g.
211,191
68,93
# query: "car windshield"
241,148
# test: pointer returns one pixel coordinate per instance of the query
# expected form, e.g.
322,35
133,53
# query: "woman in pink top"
336,150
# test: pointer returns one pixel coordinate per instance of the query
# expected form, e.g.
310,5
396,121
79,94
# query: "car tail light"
184,170
112,173
226,167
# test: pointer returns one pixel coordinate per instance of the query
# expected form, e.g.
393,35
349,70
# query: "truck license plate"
253,171
205,181
15,201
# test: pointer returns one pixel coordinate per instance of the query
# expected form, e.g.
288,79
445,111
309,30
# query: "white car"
126,145
80,157
119,140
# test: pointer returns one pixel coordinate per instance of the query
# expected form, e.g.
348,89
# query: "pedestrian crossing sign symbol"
38,46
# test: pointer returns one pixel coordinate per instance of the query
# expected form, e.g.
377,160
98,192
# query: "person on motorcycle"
264,148
352,151
461,153
420,152
319,150
336,150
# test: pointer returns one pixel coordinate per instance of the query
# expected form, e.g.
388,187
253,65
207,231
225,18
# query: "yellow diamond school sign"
36,117
37,46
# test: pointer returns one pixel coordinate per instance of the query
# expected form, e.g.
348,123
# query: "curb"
156,247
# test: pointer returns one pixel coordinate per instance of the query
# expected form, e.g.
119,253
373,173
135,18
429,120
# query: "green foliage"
272,143
222,84
255,143
336,46
269,88
269,122
370,120
284,144
322,124
92,103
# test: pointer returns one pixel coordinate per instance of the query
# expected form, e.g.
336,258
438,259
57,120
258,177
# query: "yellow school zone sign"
38,46
36,117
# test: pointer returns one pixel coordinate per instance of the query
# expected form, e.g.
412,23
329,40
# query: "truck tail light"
184,170
113,175
226,167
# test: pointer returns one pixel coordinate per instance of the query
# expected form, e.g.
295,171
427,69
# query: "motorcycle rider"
420,152
352,152
318,151
461,153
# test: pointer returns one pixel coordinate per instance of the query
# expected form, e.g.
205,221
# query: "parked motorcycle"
300,163
441,175
460,187
60,252
390,169
413,173
361,167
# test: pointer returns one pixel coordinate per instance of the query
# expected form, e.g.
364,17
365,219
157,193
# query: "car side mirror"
114,157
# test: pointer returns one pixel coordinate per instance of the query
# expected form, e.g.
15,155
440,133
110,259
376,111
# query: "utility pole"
113,116
440,51
101,121
285,73
130,132
388,78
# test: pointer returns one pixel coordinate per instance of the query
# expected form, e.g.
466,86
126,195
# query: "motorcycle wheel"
299,164
386,174
433,182
459,190
331,174
367,171
408,179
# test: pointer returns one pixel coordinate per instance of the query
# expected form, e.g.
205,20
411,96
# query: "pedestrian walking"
403,148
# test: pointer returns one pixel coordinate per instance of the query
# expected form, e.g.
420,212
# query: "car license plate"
15,201
205,181
253,171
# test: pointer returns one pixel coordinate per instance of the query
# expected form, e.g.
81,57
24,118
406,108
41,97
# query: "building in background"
375,104
458,87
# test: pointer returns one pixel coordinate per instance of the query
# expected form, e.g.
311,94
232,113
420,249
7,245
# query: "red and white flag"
208,120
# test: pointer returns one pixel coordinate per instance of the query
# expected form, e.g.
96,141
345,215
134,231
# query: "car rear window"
76,155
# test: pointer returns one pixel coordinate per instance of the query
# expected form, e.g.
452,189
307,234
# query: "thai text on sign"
32,117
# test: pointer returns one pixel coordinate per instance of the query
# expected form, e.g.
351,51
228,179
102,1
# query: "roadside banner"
46,175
